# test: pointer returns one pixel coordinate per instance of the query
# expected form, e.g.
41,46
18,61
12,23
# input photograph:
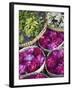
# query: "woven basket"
49,73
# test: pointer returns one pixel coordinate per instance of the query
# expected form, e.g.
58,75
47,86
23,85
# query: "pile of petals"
55,62
51,39
30,60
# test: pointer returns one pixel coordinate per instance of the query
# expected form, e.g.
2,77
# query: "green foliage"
30,23
21,39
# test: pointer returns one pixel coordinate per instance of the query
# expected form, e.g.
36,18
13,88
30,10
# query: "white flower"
61,25
58,18
49,21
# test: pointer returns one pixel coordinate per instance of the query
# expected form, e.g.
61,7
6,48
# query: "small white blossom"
57,17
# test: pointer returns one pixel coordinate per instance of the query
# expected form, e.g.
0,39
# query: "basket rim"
57,29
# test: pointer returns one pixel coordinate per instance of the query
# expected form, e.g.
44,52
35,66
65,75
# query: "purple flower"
55,62
30,60
51,39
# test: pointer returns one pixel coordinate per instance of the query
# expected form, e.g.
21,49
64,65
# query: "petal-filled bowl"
31,60
55,63
51,40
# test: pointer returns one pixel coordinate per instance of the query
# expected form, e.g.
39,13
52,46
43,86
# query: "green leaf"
21,38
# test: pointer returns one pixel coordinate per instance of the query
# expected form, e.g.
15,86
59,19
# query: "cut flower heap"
30,60
51,39
55,62
55,19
